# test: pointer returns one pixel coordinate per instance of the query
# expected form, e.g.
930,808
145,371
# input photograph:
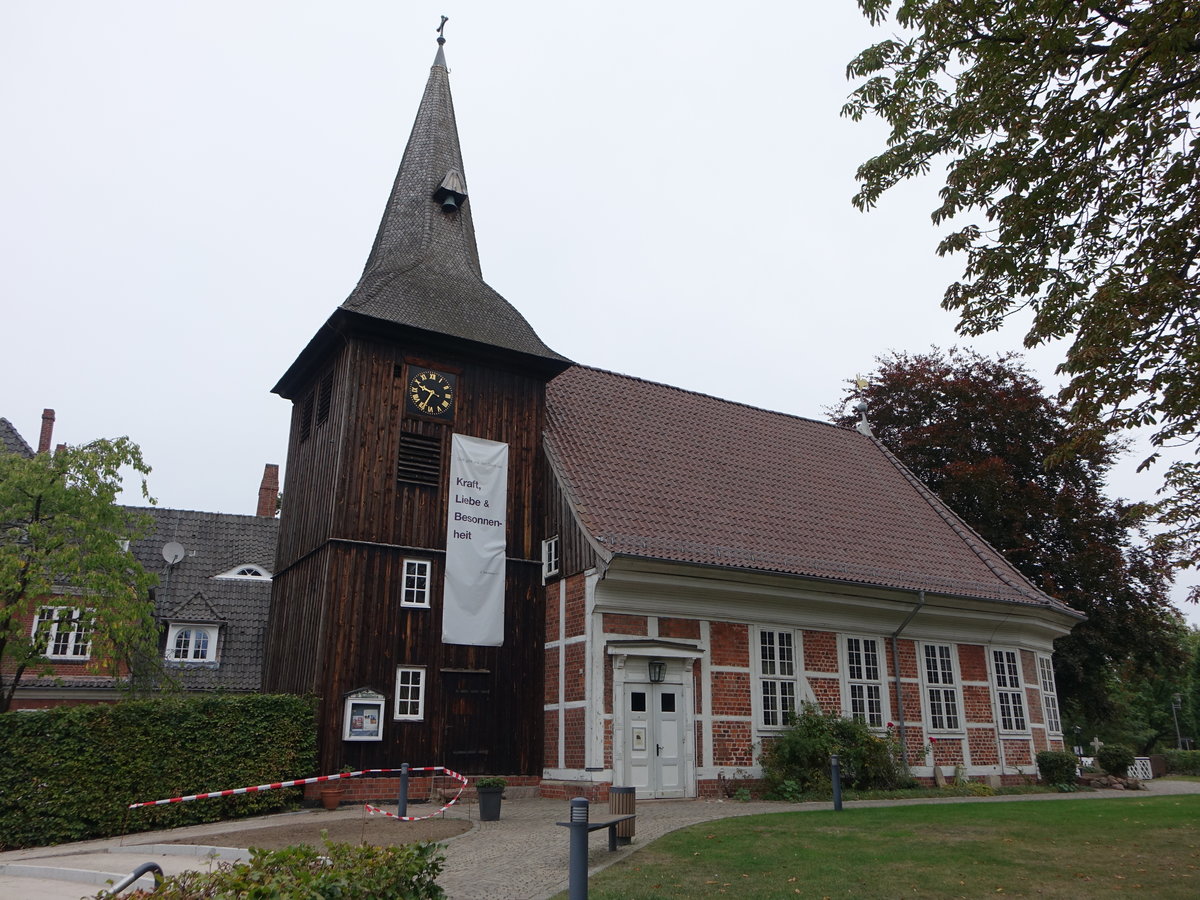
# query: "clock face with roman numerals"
431,393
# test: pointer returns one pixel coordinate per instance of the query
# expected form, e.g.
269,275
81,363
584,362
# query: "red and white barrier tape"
319,778
449,803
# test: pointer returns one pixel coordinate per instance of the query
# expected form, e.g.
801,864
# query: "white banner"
473,599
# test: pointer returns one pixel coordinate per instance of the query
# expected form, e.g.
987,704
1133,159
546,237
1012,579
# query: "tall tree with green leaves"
62,544
1068,132
982,434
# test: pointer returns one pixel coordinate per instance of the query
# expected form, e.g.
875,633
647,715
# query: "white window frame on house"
864,687
409,704
1011,715
1049,694
71,643
777,668
247,571
943,700
192,632
550,558
416,588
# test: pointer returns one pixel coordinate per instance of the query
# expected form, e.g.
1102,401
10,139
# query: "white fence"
1139,770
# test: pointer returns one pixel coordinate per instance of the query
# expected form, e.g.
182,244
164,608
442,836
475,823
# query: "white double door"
655,722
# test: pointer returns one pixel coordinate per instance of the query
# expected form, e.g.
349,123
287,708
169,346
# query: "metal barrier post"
578,884
836,778
137,873
402,803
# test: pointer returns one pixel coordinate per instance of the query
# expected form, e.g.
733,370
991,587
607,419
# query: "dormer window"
246,570
192,643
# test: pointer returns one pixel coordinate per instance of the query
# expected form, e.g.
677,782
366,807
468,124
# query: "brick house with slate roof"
211,603
680,572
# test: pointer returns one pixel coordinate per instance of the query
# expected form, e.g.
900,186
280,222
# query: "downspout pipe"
899,686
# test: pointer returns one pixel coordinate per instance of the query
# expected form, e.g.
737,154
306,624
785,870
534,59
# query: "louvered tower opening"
420,458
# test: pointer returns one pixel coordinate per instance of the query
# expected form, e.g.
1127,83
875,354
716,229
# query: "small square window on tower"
549,557
416,583
410,693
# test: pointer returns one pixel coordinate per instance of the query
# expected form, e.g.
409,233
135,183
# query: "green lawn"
1050,848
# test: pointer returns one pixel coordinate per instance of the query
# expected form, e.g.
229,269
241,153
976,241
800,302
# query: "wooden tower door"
470,731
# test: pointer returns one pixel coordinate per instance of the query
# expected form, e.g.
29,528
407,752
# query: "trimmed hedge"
1183,762
69,773
1057,767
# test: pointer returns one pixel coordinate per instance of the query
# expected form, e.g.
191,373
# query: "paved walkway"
521,857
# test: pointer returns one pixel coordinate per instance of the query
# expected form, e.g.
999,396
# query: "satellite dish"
173,552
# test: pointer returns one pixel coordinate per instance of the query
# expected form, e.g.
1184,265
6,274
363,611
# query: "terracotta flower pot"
332,797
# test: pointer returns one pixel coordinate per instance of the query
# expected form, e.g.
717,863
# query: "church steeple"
423,270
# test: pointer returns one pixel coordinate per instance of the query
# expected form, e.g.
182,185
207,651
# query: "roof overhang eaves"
310,358
1048,603
653,647
361,324
344,323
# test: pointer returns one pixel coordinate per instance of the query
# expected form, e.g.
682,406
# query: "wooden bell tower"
422,350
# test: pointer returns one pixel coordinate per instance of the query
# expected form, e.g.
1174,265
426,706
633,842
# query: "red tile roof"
663,473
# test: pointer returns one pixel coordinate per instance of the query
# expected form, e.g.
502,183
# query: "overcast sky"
188,190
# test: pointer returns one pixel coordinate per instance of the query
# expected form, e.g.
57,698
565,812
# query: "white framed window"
66,631
246,570
864,680
410,693
416,583
1049,694
777,676
1010,695
941,687
192,643
550,563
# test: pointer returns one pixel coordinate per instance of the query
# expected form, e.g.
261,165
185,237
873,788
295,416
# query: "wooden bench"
611,824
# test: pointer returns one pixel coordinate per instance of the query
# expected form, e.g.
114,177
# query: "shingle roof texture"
659,472
423,270
11,440
214,543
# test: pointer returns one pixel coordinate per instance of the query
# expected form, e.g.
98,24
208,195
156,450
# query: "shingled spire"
423,270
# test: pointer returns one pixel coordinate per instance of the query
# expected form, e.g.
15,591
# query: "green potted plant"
490,789
332,791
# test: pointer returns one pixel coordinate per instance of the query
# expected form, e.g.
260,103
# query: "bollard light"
402,800
577,868
835,776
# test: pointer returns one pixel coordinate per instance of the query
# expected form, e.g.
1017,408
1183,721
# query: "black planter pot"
489,803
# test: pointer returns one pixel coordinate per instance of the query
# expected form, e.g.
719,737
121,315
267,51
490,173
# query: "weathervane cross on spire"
442,37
